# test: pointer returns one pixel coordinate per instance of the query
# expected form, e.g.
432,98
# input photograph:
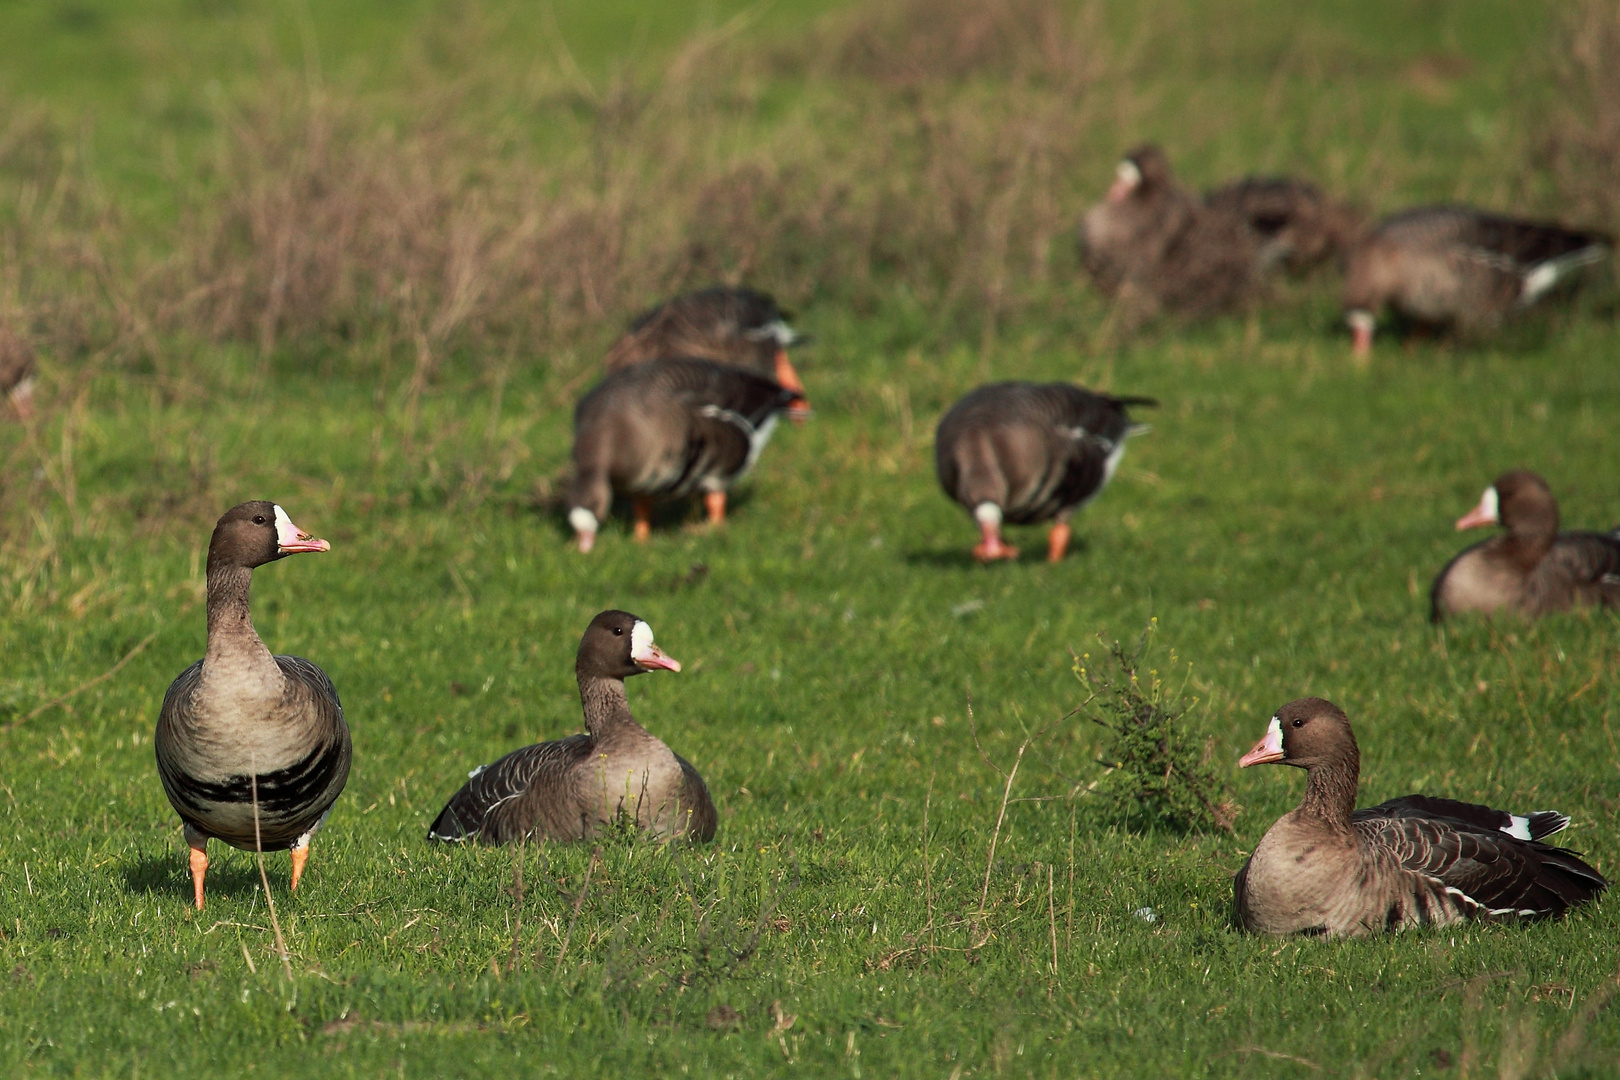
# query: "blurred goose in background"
1533,568
1459,268
252,748
1022,452
569,789
1328,868
1296,226
668,429
723,324
17,371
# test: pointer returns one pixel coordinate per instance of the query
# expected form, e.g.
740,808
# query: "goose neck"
607,710
1330,793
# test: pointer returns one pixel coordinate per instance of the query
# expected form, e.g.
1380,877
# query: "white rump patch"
1361,319
583,520
1128,173
987,513
641,640
1520,829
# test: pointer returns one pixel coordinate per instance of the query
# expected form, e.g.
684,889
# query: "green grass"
1281,523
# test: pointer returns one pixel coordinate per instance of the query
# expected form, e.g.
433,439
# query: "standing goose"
726,325
1021,452
241,721
1457,267
668,429
1155,245
1533,569
569,788
1297,226
1328,868
17,371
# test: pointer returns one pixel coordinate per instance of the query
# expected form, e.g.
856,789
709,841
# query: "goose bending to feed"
726,325
668,429
1328,868
1297,227
569,789
1154,245
1533,568
17,371
252,748
1022,452
1456,267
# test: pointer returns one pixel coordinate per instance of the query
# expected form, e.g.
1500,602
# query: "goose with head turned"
16,371
1327,868
1532,569
1295,225
252,748
724,324
572,788
668,429
1020,452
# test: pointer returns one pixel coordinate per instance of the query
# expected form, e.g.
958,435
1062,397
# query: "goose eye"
618,631
1299,721
258,519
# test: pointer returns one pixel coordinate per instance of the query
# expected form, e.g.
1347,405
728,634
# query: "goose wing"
490,805
696,801
1591,560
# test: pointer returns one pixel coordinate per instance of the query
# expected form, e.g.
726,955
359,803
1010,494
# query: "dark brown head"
1306,733
1519,501
1141,172
618,645
254,533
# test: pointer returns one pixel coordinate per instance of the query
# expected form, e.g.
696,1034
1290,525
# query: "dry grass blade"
579,902
82,687
264,879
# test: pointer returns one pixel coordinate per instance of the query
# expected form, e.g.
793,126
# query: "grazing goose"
1297,227
569,789
668,429
240,721
1155,245
1533,569
726,325
1457,267
1021,452
17,371
1328,868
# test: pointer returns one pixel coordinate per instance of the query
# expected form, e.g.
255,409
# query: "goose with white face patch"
252,748
1326,868
1458,268
572,788
1532,569
1019,453
727,325
668,429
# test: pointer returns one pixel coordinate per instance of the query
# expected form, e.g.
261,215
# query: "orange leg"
715,503
1057,542
642,509
199,867
300,855
991,548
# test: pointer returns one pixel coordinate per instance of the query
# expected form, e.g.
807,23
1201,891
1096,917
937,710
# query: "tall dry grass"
1581,141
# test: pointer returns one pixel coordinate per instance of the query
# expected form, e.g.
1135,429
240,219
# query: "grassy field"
1278,529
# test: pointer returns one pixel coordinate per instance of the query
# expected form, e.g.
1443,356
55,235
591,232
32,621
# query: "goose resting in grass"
1456,267
241,723
668,429
1022,452
1533,569
17,372
726,325
1328,868
570,788
1297,227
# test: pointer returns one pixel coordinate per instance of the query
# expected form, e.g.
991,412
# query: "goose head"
618,645
254,533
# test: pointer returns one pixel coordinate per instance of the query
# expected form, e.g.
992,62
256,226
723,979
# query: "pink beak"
1120,190
1267,750
1363,337
799,411
655,659
291,540
1479,515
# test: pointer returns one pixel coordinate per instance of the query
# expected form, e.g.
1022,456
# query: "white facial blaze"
987,513
641,641
286,531
1491,503
1361,319
1274,737
583,521
1128,173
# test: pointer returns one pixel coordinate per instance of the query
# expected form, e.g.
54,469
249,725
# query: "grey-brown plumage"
1531,569
1296,226
1455,267
241,725
669,429
17,371
1022,452
1154,245
1327,868
571,788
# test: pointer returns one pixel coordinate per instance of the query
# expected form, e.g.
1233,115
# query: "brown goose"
1155,245
569,789
1456,267
1533,569
1297,226
1021,452
668,429
1328,868
726,325
17,371
240,722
